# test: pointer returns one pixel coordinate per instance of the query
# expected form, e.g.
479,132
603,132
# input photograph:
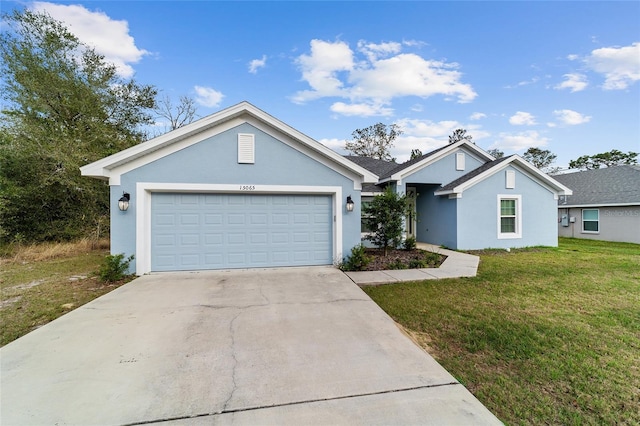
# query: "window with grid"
509,216
590,220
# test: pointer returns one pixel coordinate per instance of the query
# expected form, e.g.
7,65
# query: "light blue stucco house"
240,189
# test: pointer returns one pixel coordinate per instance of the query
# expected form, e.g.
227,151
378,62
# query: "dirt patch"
403,259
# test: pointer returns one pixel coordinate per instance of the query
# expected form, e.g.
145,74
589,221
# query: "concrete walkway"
456,265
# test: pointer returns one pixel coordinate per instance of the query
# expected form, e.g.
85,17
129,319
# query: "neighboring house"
605,204
241,189
236,189
465,199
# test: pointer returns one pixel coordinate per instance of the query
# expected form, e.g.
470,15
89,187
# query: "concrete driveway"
276,346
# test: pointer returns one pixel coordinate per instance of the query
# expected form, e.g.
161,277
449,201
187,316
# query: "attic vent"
510,178
460,161
246,148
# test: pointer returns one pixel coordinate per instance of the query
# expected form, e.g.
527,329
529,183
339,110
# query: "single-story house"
241,189
605,204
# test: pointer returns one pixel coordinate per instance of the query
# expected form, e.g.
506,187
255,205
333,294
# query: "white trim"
246,148
143,209
510,179
546,181
582,230
595,206
114,166
518,233
473,148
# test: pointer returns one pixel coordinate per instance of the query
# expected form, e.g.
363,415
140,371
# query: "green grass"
38,288
541,335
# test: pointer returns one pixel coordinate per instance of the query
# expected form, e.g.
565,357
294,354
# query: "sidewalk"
456,265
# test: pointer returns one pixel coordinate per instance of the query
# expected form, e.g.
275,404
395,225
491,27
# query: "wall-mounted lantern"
350,204
123,202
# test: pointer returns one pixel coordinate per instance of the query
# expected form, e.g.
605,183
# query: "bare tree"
459,135
374,141
177,115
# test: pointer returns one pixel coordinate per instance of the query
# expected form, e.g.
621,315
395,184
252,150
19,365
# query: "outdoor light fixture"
123,202
350,204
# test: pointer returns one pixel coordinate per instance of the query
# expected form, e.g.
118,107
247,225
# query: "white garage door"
220,231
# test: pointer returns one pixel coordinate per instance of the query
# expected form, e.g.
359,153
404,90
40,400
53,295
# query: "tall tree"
374,141
495,153
541,158
459,135
607,159
177,115
65,106
415,153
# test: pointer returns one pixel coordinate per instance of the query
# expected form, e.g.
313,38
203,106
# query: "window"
509,216
364,226
591,220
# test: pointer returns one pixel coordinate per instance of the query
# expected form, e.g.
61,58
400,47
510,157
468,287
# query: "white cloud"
571,118
523,83
427,135
619,65
321,67
207,96
519,141
361,109
574,82
477,116
107,36
256,64
335,144
374,51
380,74
521,118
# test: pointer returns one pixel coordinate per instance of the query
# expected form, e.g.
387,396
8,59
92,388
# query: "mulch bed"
403,259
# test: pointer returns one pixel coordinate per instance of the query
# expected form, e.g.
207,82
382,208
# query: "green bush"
409,243
357,261
114,268
396,264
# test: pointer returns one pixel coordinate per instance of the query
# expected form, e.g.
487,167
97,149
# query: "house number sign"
247,187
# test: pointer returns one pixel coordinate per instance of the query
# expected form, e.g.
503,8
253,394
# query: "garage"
226,230
236,189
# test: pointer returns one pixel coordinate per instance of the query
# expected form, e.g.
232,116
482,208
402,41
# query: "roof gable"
458,186
607,186
113,166
425,160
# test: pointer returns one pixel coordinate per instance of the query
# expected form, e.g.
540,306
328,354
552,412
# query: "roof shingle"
611,185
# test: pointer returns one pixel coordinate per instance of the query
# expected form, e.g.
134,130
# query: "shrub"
357,261
114,267
396,264
409,243
384,215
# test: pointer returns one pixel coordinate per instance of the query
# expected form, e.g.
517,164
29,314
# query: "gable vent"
460,161
246,148
510,179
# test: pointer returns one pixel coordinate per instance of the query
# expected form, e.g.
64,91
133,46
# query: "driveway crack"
235,361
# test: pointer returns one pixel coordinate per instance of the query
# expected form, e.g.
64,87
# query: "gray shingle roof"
374,165
611,185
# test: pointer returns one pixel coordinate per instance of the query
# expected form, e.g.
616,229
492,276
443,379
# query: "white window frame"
518,233
598,221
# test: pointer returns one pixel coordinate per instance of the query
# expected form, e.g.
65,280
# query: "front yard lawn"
541,335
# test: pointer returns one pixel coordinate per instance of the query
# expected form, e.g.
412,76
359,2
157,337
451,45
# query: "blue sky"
562,76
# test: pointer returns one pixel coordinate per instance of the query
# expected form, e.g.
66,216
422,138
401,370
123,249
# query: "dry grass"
41,282
53,250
